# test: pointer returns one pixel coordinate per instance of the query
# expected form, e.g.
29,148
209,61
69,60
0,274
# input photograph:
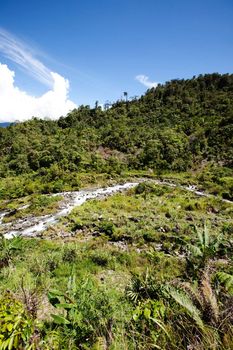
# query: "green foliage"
133,286
150,327
226,279
148,187
100,258
184,313
84,311
107,228
143,287
175,126
8,248
15,326
185,301
149,274
69,255
206,247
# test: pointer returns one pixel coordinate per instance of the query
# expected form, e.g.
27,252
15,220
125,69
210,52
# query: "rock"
131,218
166,228
212,210
176,229
11,213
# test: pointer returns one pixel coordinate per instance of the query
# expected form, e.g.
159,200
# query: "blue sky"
100,46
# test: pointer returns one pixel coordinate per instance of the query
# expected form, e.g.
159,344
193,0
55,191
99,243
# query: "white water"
2,214
34,225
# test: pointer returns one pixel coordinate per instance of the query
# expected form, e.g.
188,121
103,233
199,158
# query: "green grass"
158,215
36,205
136,240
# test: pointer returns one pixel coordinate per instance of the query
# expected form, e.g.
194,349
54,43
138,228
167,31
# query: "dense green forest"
181,125
148,268
173,126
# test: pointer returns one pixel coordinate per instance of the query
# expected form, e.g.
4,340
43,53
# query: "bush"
15,325
147,187
107,227
69,255
100,258
87,314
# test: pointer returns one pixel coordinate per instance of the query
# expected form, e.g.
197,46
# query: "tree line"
175,126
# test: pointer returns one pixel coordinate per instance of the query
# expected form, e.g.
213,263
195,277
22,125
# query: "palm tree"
209,315
143,287
126,96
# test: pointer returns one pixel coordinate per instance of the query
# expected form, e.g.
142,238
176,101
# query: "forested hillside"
174,126
180,125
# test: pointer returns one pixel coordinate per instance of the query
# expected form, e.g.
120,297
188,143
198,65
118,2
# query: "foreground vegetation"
150,268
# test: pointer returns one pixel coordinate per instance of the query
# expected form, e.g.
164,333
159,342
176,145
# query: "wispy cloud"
18,52
143,79
20,105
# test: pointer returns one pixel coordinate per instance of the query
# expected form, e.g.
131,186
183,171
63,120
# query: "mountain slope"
175,126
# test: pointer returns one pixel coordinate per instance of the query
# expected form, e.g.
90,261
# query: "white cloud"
17,104
143,79
18,52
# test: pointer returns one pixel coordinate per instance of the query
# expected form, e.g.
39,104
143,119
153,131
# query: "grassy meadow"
150,268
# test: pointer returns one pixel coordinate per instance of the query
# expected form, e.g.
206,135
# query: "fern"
184,300
200,236
143,287
209,298
206,237
194,250
100,344
227,280
192,292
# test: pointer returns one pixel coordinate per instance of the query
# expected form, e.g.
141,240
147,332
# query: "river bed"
31,226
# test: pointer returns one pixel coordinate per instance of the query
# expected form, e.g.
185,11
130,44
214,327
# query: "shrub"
86,314
147,187
15,325
107,228
100,258
69,255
